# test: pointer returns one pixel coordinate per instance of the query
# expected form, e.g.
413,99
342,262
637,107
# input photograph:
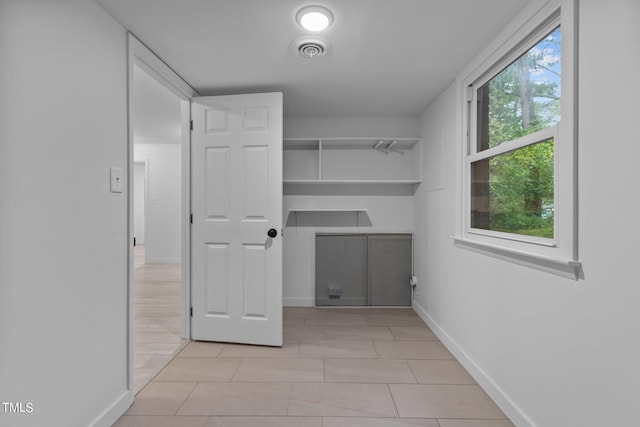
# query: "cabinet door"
341,270
389,268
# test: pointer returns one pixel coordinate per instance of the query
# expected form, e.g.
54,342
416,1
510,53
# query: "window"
512,166
519,169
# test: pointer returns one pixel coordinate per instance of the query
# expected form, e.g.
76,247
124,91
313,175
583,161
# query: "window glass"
513,192
523,98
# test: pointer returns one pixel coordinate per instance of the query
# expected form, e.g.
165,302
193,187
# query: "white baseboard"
298,302
114,411
508,406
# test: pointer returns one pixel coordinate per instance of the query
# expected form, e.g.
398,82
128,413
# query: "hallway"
338,367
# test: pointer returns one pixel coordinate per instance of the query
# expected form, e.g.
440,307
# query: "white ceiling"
387,57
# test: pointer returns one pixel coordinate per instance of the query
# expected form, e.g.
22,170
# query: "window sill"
560,267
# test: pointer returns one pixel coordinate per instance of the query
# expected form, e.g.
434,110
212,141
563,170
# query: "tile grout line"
324,369
289,399
186,398
412,371
235,371
393,400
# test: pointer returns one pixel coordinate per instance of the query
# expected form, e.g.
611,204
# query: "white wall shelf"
324,211
327,210
353,181
367,160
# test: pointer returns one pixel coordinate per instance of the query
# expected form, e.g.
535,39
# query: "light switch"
117,180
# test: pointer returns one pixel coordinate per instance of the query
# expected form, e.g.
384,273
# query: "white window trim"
558,255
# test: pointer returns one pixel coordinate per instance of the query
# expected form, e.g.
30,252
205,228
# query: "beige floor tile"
140,375
151,337
282,370
265,422
393,320
367,310
160,421
338,349
139,360
405,350
368,371
340,367
161,398
244,399
475,423
444,401
202,349
378,422
288,350
331,399
198,369
174,323
335,319
293,319
143,373
352,333
144,325
154,363
412,333
440,372
303,333
158,349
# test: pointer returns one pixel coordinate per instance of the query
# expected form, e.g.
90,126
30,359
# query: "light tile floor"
339,367
156,316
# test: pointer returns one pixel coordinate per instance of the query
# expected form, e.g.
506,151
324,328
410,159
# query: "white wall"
351,126
389,210
163,238
552,351
63,257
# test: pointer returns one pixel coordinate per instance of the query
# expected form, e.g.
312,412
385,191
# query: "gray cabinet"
363,269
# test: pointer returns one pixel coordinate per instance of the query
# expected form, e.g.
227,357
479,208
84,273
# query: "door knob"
272,232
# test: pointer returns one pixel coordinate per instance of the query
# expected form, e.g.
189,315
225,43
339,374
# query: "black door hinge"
191,125
191,312
191,218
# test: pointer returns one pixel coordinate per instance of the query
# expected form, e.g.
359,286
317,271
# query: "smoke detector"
311,47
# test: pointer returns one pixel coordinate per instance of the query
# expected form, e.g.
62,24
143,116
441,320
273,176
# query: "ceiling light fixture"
314,18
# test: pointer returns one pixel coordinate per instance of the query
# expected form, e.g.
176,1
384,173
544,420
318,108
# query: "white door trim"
145,164
141,56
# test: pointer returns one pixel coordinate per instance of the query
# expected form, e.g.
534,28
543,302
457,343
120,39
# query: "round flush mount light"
314,18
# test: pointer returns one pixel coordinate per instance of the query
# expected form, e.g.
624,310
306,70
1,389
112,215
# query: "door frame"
140,55
145,202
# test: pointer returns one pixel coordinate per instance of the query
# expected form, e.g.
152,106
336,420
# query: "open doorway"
164,151
157,217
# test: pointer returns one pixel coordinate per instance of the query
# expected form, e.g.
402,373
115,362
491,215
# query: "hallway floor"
156,316
339,367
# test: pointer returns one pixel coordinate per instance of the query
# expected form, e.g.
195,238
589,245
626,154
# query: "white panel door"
237,206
